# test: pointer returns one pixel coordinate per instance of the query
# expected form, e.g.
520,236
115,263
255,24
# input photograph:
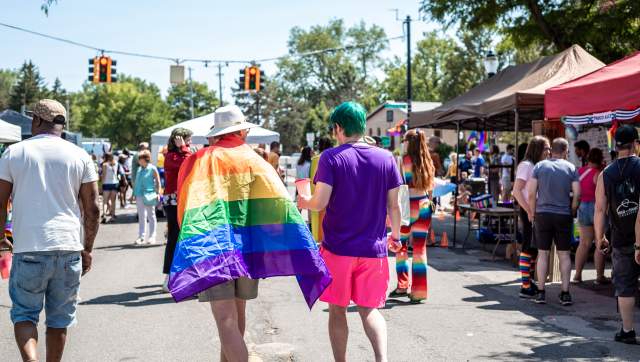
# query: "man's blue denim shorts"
53,276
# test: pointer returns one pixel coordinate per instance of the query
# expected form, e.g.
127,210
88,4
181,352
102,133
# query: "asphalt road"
471,314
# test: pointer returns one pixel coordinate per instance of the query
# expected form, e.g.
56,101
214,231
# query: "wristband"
636,247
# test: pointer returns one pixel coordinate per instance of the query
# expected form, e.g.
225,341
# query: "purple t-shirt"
355,219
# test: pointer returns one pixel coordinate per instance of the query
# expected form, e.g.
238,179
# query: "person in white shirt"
53,186
505,180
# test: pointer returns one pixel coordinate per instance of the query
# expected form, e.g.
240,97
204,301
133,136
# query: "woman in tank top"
110,182
588,179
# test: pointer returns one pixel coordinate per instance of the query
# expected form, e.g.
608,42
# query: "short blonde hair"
144,155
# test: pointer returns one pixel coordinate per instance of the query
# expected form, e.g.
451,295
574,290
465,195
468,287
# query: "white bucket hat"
228,119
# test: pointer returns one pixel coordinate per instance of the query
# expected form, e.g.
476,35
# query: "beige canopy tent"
516,93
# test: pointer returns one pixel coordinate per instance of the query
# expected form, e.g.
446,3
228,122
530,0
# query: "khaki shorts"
241,288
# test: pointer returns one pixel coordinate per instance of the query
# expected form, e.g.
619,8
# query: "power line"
192,60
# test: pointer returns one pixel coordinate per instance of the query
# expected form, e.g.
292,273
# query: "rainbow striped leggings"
421,209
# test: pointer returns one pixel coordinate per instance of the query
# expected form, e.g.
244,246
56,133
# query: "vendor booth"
510,100
200,127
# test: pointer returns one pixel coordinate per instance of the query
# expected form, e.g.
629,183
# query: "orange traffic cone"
432,238
457,215
444,241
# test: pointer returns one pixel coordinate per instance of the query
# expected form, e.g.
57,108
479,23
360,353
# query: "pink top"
587,183
524,172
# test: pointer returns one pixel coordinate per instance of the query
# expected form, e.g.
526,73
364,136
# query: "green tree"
7,80
608,29
317,121
126,112
442,67
29,87
205,100
58,92
311,76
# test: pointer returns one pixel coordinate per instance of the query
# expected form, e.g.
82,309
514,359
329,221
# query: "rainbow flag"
238,220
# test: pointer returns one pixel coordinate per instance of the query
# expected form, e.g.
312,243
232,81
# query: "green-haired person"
358,185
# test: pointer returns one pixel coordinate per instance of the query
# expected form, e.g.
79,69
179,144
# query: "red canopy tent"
608,94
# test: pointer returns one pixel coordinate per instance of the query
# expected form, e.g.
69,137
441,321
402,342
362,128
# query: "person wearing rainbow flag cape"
238,224
358,185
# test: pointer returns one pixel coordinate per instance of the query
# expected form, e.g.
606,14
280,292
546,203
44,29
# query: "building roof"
415,107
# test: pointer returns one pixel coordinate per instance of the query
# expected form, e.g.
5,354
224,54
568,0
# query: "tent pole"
455,194
515,164
517,129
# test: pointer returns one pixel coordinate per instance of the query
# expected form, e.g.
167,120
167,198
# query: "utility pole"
191,95
220,83
258,107
409,88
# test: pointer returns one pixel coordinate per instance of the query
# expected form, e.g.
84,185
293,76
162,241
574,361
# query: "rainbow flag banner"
238,220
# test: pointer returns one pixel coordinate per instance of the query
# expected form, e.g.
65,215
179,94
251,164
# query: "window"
389,115
379,132
437,133
370,132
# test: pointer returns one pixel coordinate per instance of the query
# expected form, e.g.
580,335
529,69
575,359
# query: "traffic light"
243,85
102,70
251,78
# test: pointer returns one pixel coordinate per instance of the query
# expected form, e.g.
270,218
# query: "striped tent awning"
600,118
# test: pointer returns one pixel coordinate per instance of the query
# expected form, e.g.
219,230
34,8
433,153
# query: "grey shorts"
625,271
241,288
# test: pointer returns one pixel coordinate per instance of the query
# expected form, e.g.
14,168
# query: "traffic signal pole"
220,83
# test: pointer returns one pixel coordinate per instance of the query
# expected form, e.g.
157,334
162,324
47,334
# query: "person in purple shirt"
358,186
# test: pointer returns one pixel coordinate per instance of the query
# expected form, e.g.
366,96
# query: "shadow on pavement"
591,337
390,304
129,246
566,350
132,299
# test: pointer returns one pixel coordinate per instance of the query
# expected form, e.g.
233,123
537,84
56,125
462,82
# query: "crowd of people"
355,233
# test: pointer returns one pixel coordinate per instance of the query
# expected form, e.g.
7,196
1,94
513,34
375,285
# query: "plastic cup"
303,185
5,264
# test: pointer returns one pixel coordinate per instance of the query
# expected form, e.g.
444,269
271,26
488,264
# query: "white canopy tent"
200,127
9,133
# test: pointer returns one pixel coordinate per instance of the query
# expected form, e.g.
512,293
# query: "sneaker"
151,241
529,292
139,241
626,337
565,298
541,297
602,281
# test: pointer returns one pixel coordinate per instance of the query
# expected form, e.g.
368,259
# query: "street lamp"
491,64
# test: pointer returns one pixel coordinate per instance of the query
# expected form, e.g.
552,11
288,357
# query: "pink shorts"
361,280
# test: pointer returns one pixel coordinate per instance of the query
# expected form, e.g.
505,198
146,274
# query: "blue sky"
242,29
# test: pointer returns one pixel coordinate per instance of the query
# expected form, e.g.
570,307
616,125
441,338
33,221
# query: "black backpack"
623,194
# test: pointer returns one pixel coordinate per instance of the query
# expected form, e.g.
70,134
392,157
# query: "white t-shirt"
524,172
506,160
46,172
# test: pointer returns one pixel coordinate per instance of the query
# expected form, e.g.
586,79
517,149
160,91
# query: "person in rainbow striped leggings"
419,173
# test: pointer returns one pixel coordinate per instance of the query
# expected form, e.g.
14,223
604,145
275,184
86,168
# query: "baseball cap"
51,111
625,135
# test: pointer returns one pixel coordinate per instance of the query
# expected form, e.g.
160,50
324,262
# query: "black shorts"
528,244
550,228
625,272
